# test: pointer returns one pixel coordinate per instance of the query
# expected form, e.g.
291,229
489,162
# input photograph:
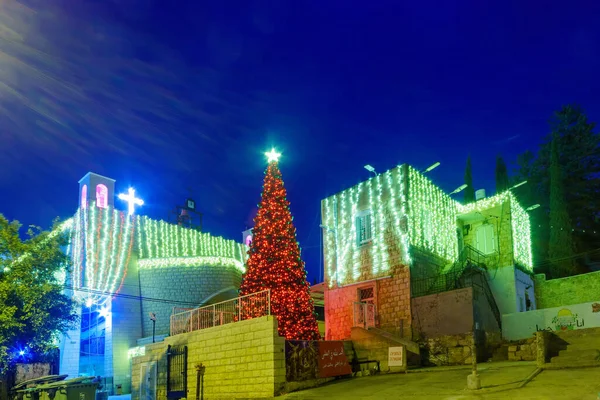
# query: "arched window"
84,196
102,196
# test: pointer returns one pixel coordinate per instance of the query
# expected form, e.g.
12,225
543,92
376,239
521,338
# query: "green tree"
469,190
578,155
501,175
33,309
560,247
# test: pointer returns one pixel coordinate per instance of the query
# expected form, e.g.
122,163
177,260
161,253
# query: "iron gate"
176,372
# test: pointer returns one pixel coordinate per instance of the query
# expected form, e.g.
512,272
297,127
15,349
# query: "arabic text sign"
395,358
332,359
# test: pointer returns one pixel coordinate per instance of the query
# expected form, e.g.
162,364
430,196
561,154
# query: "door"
148,381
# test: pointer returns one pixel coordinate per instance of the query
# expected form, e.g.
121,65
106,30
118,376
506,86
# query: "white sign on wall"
395,358
523,325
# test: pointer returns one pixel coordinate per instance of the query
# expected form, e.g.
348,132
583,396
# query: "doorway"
148,381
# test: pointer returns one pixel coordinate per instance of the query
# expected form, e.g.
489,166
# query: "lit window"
102,196
364,231
486,239
84,196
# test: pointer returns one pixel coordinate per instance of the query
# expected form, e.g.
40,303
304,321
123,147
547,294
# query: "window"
366,295
364,231
485,239
102,196
84,196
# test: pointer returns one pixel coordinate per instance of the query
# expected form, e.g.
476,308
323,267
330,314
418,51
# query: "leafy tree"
33,309
469,190
560,249
579,159
501,175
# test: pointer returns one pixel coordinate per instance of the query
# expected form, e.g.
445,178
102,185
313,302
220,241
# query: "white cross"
131,200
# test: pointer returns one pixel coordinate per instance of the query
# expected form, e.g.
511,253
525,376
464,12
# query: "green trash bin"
72,389
29,389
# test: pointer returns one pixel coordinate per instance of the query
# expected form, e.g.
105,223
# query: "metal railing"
449,280
250,306
364,315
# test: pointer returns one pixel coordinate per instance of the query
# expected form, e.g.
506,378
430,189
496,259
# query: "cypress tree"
560,251
469,190
501,175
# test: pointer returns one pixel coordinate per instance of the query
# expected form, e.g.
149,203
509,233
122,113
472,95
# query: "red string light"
274,263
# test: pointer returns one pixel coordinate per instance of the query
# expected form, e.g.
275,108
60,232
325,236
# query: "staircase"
467,271
579,349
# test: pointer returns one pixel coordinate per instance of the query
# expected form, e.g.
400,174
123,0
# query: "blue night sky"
165,95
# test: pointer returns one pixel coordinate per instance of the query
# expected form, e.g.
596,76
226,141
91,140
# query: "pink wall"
392,301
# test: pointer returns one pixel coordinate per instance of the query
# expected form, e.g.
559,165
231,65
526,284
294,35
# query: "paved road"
498,381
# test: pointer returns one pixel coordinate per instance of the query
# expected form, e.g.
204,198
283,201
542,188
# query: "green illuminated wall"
408,211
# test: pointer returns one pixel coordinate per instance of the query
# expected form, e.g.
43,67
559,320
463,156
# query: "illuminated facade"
126,266
397,230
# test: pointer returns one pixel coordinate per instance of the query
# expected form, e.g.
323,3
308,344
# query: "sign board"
332,359
395,357
523,325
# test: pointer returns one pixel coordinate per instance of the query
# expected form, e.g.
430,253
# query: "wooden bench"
356,363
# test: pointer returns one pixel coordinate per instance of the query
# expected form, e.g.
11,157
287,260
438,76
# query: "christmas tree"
274,261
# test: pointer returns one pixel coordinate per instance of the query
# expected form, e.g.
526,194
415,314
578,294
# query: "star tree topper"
273,156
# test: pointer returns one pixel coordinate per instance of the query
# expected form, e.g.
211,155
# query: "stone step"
570,364
583,346
575,333
576,355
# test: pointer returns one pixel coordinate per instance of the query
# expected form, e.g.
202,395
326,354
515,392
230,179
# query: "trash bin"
27,394
29,389
102,395
73,389
119,389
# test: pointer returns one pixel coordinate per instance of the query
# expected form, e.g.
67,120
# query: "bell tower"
98,188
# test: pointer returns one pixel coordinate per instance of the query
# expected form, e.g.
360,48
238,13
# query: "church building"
129,273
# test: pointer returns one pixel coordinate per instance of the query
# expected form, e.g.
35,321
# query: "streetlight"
459,189
432,167
153,319
517,185
330,230
370,169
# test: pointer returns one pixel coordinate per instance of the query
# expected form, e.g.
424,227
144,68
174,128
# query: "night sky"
170,95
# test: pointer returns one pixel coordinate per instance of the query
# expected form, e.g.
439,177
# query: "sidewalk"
500,381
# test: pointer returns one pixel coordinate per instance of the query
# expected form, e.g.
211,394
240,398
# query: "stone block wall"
449,349
524,350
584,288
392,304
242,360
188,285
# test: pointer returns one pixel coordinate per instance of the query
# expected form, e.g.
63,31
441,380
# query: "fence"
253,305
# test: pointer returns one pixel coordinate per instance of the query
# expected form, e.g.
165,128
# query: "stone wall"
242,360
576,289
392,303
188,285
449,350
447,313
524,350
370,346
